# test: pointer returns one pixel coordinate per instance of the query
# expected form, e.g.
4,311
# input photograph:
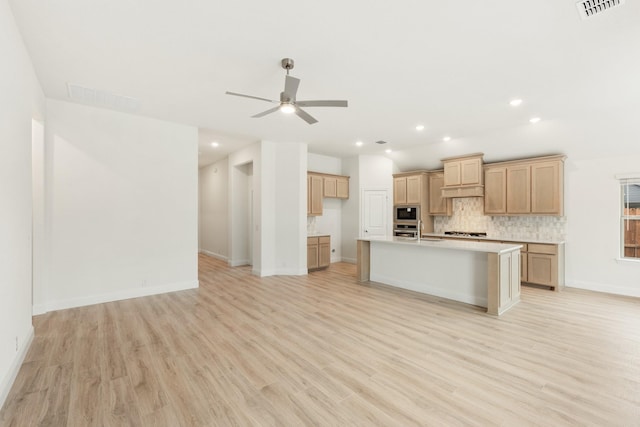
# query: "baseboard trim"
350,260
281,272
214,255
425,288
601,287
114,296
238,263
12,373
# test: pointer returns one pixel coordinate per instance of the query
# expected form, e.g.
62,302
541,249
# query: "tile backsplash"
468,215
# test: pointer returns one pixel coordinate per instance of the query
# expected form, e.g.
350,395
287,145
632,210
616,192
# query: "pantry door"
375,213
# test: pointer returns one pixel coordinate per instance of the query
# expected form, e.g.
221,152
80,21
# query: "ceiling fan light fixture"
287,108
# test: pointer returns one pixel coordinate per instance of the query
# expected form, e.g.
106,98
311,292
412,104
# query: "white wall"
121,206
279,200
351,210
288,239
214,211
21,100
593,226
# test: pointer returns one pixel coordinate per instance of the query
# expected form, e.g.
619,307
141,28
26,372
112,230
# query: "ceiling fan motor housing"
287,63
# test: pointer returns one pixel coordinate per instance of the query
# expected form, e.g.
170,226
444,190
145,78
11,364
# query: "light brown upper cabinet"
518,185
463,176
400,190
437,204
495,190
314,194
321,185
463,171
409,188
336,186
525,187
547,187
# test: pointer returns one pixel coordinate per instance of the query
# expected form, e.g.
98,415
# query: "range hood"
463,191
463,176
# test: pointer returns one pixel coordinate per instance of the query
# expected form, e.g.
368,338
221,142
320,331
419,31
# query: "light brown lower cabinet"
318,252
540,263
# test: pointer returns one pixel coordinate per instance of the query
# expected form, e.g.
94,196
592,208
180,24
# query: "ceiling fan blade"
305,116
249,96
291,87
322,103
264,113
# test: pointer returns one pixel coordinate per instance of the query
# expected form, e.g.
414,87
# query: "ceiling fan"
288,103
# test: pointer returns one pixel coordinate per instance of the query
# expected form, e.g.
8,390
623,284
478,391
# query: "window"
630,219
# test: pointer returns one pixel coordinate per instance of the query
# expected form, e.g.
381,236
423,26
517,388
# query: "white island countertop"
487,247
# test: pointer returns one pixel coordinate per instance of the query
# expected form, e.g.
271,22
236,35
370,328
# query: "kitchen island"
478,273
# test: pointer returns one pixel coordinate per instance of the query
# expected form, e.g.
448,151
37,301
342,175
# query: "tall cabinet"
412,189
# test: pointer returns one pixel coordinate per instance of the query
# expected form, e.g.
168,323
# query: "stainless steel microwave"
406,213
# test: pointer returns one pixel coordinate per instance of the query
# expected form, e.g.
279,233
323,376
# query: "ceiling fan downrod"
287,64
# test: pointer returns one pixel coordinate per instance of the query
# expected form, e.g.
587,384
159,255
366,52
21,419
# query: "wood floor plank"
326,350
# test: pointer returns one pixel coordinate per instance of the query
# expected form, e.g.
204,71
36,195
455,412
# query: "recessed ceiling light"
215,144
359,143
446,138
388,150
515,102
420,127
534,119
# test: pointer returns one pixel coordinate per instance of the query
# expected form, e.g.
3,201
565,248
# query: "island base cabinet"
363,261
504,282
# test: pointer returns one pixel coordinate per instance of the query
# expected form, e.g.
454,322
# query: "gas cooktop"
465,233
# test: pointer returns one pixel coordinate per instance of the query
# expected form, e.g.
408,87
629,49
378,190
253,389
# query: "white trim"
238,263
114,296
603,287
281,272
12,373
349,260
621,176
628,260
214,255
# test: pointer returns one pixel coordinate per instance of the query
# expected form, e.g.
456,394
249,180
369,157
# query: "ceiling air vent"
101,98
589,8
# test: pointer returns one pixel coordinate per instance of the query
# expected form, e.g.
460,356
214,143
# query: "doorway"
242,218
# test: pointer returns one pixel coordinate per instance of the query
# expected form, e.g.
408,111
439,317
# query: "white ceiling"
450,65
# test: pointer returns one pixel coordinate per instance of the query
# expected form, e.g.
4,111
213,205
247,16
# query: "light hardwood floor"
326,350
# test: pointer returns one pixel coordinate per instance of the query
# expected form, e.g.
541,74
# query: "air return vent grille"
589,8
101,98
